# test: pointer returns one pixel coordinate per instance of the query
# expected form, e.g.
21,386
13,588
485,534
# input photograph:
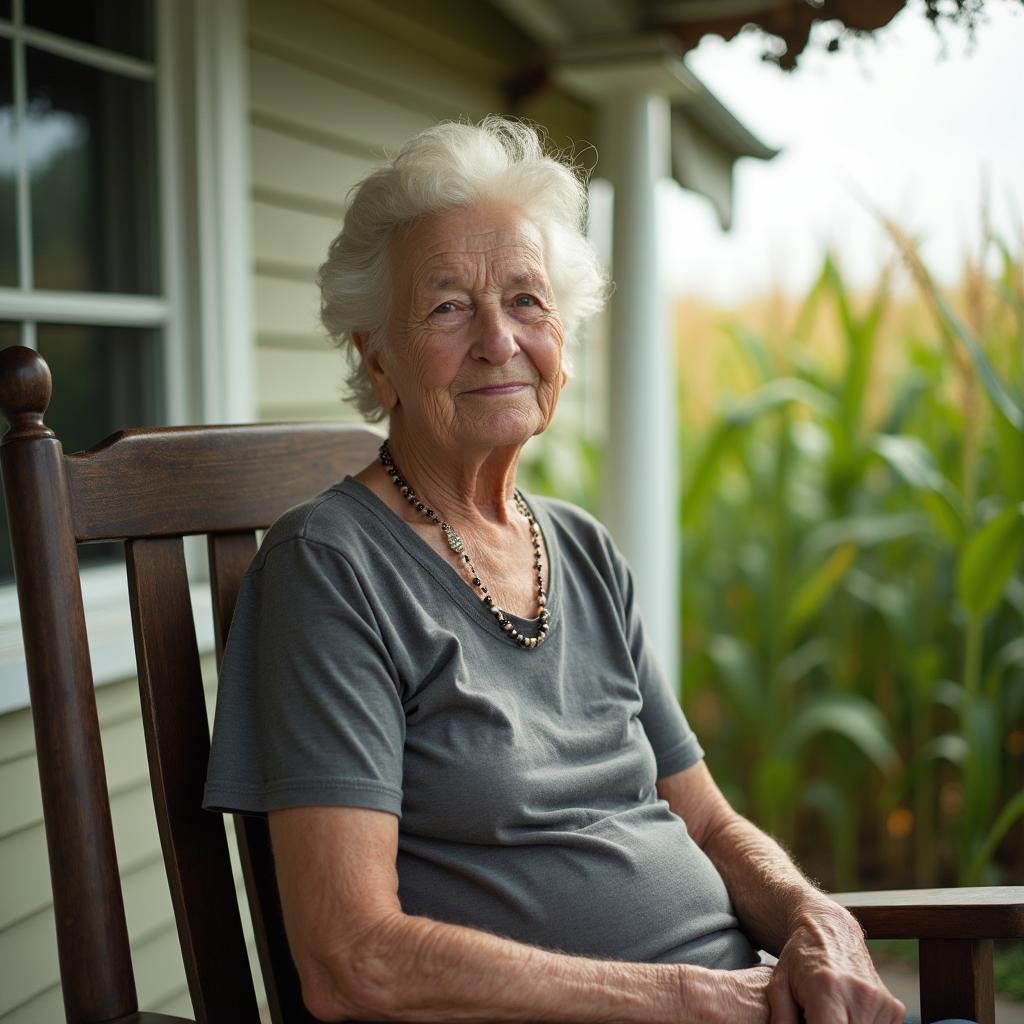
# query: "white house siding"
333,85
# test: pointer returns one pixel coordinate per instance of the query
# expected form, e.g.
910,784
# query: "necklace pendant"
454,540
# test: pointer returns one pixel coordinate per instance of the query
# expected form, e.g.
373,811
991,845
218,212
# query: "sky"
916,131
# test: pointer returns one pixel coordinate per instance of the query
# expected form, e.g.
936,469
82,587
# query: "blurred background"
802,415
850,363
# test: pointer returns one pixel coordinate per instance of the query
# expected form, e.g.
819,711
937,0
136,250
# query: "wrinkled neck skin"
469,487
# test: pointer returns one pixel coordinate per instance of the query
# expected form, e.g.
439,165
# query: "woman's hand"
825,971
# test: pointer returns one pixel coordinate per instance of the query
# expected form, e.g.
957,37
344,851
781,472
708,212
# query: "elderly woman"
484,799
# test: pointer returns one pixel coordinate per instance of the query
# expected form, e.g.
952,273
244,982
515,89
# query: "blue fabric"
958,1020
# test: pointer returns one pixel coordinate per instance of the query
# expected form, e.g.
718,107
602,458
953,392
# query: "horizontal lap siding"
334,87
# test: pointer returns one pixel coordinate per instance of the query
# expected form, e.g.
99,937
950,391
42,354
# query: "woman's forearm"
770,895
416,969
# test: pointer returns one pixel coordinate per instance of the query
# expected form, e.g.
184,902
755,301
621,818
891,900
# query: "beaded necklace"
456,544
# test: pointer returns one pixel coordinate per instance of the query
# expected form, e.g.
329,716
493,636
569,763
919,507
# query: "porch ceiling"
556,23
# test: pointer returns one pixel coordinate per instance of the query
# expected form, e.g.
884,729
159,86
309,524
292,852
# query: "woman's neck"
471,487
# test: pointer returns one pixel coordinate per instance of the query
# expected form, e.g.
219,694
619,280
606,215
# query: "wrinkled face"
474,350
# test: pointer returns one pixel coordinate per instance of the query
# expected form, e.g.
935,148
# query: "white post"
641,487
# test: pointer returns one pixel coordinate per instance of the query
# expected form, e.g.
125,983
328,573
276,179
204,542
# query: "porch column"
641,485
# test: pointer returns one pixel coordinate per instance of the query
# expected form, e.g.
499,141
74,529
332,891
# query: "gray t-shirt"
362,670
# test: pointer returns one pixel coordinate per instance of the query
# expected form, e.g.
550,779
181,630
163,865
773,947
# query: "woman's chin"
504,428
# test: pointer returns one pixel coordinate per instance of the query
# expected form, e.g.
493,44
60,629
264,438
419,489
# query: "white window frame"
200,70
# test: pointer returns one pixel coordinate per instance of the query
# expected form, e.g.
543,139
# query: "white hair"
447,167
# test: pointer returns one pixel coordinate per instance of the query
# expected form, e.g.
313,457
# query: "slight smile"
499,389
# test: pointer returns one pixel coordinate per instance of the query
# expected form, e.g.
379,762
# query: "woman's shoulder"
333,519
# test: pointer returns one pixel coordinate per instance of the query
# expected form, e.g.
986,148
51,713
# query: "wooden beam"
956,980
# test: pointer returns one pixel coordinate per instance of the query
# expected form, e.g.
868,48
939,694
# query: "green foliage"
853,589
853,582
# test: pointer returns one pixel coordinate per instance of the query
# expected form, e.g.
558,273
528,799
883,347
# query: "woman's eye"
525,300
445,307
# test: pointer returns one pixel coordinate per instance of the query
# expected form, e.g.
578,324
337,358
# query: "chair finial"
25,389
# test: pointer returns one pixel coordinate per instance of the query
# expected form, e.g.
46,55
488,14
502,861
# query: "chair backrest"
149,488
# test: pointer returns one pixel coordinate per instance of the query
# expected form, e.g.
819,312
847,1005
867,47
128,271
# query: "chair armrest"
992,912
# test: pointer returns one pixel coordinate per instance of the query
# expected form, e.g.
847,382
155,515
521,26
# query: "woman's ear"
379,376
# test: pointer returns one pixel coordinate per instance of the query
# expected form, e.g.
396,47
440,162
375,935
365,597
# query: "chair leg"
956,980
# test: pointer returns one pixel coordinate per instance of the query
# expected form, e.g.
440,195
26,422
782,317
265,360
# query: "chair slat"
177,740
230,555
174,481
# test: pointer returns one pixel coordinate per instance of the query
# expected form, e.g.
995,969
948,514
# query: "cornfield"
852,519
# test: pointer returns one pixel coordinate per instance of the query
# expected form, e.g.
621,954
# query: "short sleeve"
308,707
674,743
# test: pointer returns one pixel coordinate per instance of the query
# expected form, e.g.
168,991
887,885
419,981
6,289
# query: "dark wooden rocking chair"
151,488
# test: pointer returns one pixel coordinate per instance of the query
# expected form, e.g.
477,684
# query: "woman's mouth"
500,389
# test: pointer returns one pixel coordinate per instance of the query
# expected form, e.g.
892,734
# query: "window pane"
104,379
5,8
124,25
91,145
8,175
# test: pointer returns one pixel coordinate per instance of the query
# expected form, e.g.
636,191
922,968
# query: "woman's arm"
359,956
824,965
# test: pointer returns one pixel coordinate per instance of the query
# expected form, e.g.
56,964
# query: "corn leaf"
1010,457
814,591
864,530
989,558
737,668
1008,657
911,459
752,345
776,781
845,715
729,434
1013,810
947,747
798,664
994,387
889,599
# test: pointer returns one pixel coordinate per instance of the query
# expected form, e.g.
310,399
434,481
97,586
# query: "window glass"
91,145
103,381
5,9
8,171
123,25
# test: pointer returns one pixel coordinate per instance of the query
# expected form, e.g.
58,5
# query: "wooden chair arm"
993,912
955,929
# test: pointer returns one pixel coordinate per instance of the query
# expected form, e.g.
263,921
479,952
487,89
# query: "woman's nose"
494,338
